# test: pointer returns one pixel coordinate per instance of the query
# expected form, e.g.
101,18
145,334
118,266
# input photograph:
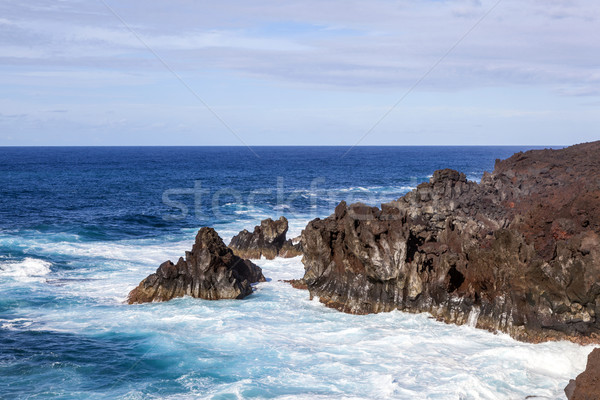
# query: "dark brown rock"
570,389
268,240
587,384
517,253
291,248
297,283
210,271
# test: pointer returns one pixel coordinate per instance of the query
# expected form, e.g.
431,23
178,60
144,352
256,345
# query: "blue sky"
86,72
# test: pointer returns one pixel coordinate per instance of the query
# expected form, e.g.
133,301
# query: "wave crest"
27,270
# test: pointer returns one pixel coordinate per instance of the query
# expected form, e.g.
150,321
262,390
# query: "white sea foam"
279,341
473,317
137,250
390,355
15,324
27,270
382,190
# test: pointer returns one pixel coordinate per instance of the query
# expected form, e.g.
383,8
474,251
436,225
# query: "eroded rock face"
267,240
518,253
210,271
587,384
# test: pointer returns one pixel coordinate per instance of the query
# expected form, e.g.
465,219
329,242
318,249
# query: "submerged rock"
517,253
587,384
210,271
267,240
297,283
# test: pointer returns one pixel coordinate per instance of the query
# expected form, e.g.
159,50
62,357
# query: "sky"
313,72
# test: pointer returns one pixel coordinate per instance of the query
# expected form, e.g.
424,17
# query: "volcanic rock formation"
517,253
210,271
268,240
587,384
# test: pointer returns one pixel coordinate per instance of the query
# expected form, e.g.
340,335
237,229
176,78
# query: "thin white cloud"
327,64
387,44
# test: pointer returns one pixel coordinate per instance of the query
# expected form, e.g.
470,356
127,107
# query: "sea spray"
473,317
26,270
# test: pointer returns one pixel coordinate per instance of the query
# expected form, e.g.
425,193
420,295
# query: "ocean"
82,226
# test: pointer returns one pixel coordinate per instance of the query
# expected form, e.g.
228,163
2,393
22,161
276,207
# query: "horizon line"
294,145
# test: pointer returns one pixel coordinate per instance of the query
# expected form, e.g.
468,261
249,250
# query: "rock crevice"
267,240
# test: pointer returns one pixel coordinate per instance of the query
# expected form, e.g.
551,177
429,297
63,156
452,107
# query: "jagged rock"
517,253
297,283
291,248
569,389
587,384
267,240
210,271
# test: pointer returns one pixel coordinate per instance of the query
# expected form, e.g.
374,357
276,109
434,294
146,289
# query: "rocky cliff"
210,271
587,384
517,253
268,240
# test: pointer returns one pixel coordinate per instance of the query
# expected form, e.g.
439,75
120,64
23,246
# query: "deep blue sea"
81,226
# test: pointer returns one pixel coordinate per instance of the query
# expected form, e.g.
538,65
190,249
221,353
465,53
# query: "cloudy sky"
314,72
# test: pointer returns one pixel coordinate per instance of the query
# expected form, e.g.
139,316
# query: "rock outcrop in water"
587,384
517,253
210,271
267,240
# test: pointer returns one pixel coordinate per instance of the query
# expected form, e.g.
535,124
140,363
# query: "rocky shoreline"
517,253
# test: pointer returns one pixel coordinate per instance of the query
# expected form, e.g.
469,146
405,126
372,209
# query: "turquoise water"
80,227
